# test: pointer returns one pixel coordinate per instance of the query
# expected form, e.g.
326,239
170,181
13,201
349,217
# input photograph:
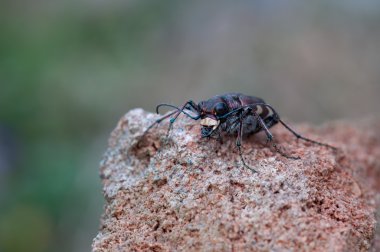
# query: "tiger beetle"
233,113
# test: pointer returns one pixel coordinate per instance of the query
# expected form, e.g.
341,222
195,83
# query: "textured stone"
185,193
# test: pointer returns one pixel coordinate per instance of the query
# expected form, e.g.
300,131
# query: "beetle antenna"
175,107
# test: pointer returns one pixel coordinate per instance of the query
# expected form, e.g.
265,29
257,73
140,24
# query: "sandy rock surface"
185,193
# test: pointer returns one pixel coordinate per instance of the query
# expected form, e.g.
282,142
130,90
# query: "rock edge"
192,194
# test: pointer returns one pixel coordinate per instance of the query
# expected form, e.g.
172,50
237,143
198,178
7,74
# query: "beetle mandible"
234,113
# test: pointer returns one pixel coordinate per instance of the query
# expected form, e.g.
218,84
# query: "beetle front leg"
172,120
159,120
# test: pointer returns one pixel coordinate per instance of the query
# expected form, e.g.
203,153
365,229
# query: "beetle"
234,113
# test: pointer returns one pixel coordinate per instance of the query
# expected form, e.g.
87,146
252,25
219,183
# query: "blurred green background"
70,69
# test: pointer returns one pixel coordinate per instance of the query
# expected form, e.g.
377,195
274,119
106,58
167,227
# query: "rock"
185,193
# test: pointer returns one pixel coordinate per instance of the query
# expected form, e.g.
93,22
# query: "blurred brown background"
70,69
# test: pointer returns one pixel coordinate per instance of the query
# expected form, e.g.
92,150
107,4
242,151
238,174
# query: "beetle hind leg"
304,138
270,139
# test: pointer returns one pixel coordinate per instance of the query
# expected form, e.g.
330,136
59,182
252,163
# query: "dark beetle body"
235,101
233,113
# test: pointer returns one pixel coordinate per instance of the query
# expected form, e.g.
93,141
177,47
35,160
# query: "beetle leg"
188,105
192,106
238,145
159,120
177,113
290,129
304,138
270,138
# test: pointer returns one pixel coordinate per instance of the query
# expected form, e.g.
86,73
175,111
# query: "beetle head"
211,111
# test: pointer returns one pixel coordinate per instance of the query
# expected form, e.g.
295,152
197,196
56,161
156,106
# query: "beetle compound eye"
220,109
